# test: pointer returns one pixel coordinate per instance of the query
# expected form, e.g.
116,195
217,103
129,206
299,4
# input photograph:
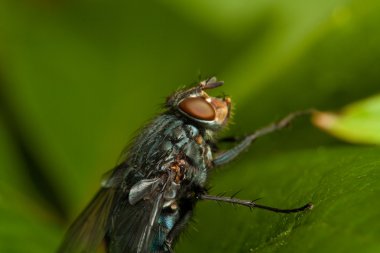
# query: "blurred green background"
78,78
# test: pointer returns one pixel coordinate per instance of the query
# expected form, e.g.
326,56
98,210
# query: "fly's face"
194,103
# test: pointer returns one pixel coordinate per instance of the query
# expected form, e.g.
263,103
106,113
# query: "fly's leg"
253,204
168,248
231,154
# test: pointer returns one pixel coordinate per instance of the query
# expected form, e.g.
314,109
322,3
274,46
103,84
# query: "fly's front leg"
231,154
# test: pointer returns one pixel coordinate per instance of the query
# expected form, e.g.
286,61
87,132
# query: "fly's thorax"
195,156
171,144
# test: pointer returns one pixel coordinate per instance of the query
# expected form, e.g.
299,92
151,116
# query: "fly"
147,200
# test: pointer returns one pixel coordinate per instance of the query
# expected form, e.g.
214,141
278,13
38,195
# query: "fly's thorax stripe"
157,125
161,130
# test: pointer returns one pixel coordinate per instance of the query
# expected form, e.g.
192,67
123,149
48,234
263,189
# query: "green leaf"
343,184
358,122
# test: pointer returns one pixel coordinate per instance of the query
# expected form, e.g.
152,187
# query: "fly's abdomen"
166,222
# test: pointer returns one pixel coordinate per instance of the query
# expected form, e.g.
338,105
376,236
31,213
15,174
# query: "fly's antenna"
210,83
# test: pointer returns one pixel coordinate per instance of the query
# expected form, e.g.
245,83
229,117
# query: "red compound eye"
198,108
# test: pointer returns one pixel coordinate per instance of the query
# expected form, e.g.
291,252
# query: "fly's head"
195,104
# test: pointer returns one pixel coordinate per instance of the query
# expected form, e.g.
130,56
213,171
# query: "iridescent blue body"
177,151
168,139
147,200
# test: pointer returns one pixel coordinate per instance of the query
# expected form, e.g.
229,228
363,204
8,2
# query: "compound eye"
198,108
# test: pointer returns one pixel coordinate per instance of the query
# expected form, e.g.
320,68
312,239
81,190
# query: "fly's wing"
134,228
145,242
89,229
